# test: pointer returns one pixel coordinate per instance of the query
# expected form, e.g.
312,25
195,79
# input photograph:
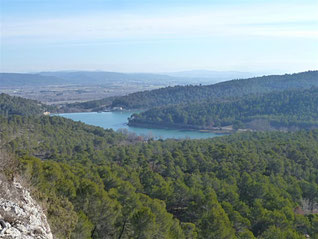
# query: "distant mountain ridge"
24,80
79,78
103,77
224,75
106,77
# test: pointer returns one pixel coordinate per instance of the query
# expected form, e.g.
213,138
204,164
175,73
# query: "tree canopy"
249,185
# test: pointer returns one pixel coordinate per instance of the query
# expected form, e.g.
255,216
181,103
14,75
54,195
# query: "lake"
118,120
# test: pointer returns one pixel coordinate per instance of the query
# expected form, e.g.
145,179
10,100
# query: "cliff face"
20,215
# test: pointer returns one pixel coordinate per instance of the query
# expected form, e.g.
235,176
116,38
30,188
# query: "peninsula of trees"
286,110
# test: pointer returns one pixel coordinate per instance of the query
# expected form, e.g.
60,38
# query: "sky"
272,36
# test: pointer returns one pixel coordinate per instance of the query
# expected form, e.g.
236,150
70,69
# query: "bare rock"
20,215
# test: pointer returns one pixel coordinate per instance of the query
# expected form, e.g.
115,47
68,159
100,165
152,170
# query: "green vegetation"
191,94
287,109
96,183
94,105
242,186
20,106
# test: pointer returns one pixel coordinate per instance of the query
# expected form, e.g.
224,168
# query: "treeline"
287,109
190,94
252,185
94,106
20,106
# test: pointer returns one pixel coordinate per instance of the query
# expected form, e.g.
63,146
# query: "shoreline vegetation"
219,130
224,130
283,111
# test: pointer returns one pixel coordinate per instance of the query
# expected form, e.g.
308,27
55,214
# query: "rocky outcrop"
20,215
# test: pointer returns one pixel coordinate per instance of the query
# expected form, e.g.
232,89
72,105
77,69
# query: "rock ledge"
20,215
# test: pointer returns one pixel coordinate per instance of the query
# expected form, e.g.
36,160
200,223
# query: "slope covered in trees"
96,184
216,92
21,106
288,109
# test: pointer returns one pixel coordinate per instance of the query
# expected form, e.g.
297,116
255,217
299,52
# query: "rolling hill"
13,105
196,93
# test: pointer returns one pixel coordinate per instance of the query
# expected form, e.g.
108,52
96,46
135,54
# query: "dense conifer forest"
292,109
97,183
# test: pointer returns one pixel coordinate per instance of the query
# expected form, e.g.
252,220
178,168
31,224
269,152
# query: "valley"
143,119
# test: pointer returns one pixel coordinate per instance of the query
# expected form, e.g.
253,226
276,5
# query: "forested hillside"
220,91
95,183
292,109
20,106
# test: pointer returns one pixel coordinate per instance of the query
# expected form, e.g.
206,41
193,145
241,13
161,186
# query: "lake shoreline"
117,120
203,130
149,126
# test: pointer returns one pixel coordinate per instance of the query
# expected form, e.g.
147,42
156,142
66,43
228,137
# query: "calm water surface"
118,120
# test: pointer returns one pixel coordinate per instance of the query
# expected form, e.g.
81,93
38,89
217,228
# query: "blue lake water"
118,120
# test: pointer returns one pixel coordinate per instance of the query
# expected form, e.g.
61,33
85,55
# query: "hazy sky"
159,35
